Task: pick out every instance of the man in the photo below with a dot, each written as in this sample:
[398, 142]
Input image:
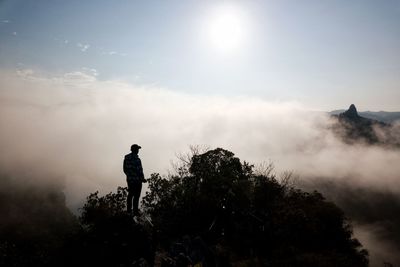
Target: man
[134, 177]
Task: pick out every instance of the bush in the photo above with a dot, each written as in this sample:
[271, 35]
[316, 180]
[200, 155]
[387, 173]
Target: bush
[109, 236]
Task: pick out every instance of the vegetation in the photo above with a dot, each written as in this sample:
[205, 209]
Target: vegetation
[34, 223]
[245, 218]
[215, 210]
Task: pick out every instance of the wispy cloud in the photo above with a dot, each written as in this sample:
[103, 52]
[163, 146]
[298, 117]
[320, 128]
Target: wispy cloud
[90, 71]
[62, 41]
[114, 53]
[83, 47]
[5, 21]
[80, 78]
[24, 72]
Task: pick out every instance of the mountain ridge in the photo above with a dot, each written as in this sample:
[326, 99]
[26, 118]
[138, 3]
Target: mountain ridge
[354, 128]
[382, 116]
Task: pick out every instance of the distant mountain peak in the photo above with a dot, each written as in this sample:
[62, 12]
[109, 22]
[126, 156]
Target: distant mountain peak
[351, 112]
[354, 127]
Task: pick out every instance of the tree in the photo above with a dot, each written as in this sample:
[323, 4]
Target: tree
[249, 218]
[215, 210]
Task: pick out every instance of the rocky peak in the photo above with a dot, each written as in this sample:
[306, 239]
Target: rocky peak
[351, 112]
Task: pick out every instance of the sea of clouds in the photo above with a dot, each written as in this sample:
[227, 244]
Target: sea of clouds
[73, 129]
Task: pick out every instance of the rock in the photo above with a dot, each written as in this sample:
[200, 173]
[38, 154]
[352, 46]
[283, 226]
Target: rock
[351, 113]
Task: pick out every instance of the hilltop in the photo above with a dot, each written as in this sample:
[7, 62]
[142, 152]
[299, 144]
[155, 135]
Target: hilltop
[351, 127]
[216, 211]
[382, 116]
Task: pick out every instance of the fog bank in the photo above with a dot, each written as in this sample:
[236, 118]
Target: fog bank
[73, 130]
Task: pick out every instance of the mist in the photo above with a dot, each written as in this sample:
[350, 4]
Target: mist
[72, 130]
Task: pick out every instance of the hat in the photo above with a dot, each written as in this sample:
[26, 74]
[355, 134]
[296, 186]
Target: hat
[135, 146]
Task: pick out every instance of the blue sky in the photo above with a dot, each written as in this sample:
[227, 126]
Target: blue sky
[325, 54]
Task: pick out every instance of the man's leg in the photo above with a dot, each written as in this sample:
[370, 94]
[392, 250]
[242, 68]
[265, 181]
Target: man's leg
[136, 196]
[129, 199]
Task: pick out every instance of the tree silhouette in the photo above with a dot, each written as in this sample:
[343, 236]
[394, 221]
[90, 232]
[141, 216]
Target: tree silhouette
[247, 218]
[215, 210]
[109, 236]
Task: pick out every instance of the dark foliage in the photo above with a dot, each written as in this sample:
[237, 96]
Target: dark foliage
[379, 210]
[34, 223]
[215, 211]
[37, 229]
[109, 236]
[247, 219]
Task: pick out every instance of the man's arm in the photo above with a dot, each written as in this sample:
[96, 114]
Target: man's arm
[125, 166]
[140, 169]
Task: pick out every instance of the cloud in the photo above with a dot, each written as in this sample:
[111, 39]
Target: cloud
[115, 53]
[374, 212]
[113, 114]
[24, 73]
[75, 129]
[380, 249]
[62, 40]
[90, 71]
[83, 47]
[5, 21]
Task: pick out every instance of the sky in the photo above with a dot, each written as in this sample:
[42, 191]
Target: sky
[322, 54]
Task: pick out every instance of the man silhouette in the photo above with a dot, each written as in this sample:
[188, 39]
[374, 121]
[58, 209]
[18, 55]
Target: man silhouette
[134, 177]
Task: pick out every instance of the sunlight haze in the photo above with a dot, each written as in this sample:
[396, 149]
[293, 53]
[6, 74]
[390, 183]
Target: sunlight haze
[226, 29]
[324, 54]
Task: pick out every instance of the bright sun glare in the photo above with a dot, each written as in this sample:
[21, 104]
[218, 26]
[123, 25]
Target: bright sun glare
[225, 29]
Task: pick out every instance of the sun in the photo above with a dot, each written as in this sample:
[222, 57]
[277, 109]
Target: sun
[226, 29]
